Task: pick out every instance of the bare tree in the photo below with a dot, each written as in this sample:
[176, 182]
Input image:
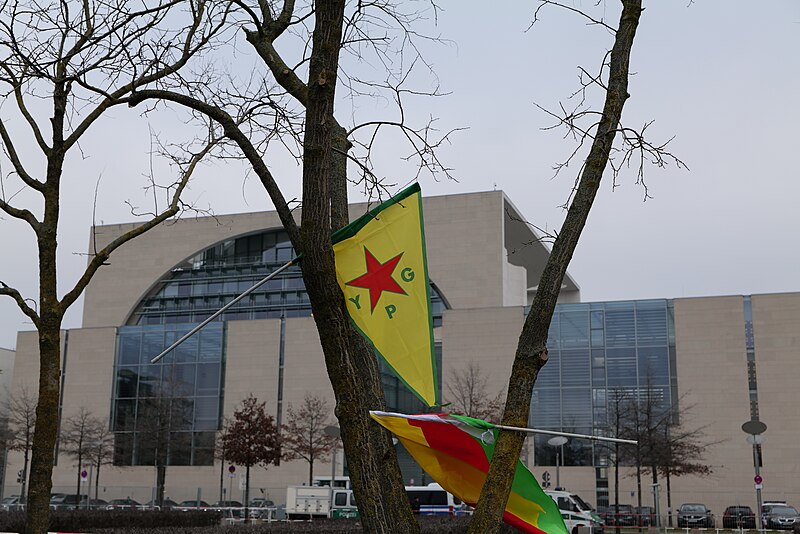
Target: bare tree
[83, 57]
[251, 438]
[162, 420]
[100, 452]
[670, 448]
[304, 437]
[297, 112]
[600, 133]
[22, 423]
[467, 392]
[78, 434]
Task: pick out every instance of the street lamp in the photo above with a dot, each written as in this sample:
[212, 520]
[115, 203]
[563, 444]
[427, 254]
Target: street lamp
[755, 428]
[558, 442]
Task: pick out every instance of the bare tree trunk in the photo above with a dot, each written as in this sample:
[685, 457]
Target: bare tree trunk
[669, 501]
[46, 430]
[80, 466]
[531, 352]
[350, 361]
[247, 494]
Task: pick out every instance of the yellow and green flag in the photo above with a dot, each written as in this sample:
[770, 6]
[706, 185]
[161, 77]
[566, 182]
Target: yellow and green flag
[382, 270]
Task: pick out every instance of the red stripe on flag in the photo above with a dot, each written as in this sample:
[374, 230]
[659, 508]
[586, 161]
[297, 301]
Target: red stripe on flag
[440, 436]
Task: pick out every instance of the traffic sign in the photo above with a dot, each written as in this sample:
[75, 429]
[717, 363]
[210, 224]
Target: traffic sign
[231, 471]
[84, 475]
[758, 479]
[546, 476]
[754, 427]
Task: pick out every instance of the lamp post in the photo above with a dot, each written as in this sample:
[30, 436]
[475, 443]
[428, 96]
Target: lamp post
[754, 428]
[558, 442]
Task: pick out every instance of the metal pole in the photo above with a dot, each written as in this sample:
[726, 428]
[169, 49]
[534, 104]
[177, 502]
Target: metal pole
[558, 468]
[566, 434]
[219, 311]
[333, 477]
[758, 488]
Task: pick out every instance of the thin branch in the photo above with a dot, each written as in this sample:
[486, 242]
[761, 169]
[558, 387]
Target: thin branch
[21, 302]
[100, 257]
[233, 132]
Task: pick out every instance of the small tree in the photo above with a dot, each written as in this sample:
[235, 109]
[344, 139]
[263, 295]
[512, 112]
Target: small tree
[22, 423]
[100, 452]
[158, 421]
[468, 393]
[78, 434]
[251, 438]
[304, 437]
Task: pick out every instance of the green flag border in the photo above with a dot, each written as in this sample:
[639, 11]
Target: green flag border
[351, 230]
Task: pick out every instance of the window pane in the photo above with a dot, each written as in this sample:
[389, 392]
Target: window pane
[129, 349]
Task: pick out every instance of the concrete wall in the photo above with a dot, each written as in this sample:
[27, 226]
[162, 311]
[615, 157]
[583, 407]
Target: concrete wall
[464, 235]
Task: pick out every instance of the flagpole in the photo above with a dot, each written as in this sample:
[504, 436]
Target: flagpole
[566, 434]
[219, 311]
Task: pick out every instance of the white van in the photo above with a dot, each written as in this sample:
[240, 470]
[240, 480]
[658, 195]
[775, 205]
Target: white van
[576, 512]
[432, 500]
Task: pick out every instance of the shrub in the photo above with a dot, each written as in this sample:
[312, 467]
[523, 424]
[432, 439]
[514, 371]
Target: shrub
[86, 520]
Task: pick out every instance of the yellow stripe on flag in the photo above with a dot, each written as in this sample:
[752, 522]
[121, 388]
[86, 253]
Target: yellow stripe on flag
[381, 268]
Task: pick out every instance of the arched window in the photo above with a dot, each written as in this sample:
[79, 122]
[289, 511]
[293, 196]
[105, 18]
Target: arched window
[201, 285]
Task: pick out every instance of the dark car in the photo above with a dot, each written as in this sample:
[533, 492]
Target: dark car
[694, 515]
[122, 504]
[624, 517]
[191, 504]
[782, 517]
[738, 517]
[97, 504]
[167, 504]
[61, 501]
[646, 515]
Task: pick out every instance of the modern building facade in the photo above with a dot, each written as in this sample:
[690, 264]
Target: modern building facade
[728, 358]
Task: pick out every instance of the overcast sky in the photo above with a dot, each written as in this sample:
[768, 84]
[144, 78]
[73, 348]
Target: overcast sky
[721, 76]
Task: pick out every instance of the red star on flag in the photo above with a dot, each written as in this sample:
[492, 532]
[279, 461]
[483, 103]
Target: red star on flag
[378, 278]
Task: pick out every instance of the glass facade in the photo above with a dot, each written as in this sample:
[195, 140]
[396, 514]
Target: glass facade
[173, 406]
[207, 281]
[184, 391]
[597, 352]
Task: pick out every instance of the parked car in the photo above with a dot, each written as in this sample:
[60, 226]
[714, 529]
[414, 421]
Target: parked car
[693, 515]
[782, 517]
[766, 506]
[738, 516]
[69, 501]
[227, 504]
[646, 515]
[625, 517]
[122, 504]
[97, 504]
[261, 502]
[192, 504]
[10, 503]
[167, 504]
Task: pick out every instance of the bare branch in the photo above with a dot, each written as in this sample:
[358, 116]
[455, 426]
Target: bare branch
[174, 207]
[22, 303]
[580, 12]
[233, 132]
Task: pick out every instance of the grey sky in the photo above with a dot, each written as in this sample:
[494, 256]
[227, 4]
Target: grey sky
[721, 76]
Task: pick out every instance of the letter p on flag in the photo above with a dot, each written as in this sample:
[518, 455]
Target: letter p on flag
[382, 269]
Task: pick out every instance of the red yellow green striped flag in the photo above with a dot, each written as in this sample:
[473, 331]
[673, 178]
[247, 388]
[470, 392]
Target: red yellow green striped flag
[382, 270]
[456, 450]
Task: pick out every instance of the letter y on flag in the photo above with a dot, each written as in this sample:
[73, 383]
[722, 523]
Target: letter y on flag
[382, 270]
